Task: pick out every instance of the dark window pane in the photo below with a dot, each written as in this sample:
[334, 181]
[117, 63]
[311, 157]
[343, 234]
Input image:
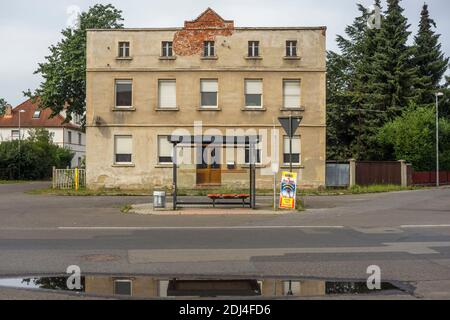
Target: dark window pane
[253, 100]
[122, 288]
[124, 94]
[165, 159]
[123, 158]
[295, 158]
[247, 156]
[209, 99]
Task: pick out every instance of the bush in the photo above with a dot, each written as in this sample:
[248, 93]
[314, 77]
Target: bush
[37, 156]
[412, 137]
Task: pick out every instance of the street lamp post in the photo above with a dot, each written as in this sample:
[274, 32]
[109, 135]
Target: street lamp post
[20, 140]
[437, 95]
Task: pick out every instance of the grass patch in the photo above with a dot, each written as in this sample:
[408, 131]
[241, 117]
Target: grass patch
[204, 192]
[126, 208]
[88, 193]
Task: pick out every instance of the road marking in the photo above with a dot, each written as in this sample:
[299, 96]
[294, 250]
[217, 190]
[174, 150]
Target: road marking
[209, 255]
[430, 226]
[199, 228]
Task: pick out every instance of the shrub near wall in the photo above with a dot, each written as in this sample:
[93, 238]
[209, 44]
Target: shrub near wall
[37, 156]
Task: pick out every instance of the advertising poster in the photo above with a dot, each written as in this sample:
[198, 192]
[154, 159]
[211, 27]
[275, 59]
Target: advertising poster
[288, 192]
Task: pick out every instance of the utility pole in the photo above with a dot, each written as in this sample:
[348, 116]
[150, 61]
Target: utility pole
[437, 94]
[20, 140]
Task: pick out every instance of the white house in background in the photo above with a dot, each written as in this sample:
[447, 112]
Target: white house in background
[69, 135]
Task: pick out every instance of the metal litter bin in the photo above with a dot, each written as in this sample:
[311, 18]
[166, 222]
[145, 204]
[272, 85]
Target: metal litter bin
[159, 200]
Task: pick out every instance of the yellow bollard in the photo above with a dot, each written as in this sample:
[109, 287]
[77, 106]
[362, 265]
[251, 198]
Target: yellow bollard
[76, 179]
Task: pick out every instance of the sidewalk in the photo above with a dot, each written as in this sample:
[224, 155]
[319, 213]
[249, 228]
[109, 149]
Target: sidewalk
[147, 209]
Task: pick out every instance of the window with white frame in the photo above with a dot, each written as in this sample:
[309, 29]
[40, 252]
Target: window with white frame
[253, 48]
[123, 149]
[291, 94]
[296, 151]
[80, 139]
[124, 49]
[69, 137]
[124, 94]
[291, 48]
[15, 134]
[37, 114]
[209, 49]
[123, 287]
[253, 93]
[167, 94]
[209, 92]
[165, 150]
[167, 49]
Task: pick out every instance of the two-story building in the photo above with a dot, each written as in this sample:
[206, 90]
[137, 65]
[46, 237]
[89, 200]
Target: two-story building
[209, 78]
[16, 124]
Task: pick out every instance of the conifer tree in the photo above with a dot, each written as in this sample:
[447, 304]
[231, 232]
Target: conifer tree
[428, 58]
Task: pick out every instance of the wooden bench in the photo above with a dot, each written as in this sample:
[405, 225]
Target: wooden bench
[216, 197]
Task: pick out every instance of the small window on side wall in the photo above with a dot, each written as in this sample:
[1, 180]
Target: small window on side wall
[123, 149]
[124, 49]
[124, 94]
[253, 49]
[209, 49]
[167, 49]
[291, 48]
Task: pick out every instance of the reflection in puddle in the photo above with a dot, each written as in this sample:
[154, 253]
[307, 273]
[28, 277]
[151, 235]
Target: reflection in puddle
[151, 287]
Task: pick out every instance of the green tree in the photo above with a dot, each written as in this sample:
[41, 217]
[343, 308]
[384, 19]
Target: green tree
[429, 58]
[3, 105]
[64, 71]
[392, 76]
[342, 104]
[412, 138]
[37, 156]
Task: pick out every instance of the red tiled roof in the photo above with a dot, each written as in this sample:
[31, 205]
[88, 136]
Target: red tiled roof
[27, 120]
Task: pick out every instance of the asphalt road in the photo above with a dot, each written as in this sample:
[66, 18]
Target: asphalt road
[407, 234]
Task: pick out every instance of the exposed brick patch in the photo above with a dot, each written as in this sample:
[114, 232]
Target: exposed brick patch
[206, 27]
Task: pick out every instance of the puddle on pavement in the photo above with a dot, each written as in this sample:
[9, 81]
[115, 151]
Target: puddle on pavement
[151, 287]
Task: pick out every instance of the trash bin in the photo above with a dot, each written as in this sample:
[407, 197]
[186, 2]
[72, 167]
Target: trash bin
[159, 200]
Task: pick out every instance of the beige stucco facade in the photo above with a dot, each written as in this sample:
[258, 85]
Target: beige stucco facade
[231, 67]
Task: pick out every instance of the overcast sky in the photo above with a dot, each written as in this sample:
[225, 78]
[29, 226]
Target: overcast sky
[28, 27]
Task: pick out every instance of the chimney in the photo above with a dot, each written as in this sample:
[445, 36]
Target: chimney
[8, 111]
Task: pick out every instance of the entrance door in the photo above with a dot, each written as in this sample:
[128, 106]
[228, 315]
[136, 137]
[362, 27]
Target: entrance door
[209, 172]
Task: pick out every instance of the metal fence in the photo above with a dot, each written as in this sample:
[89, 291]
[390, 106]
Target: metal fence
[69, 179]
[338, 174]
[378, 172]
[429, 178]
